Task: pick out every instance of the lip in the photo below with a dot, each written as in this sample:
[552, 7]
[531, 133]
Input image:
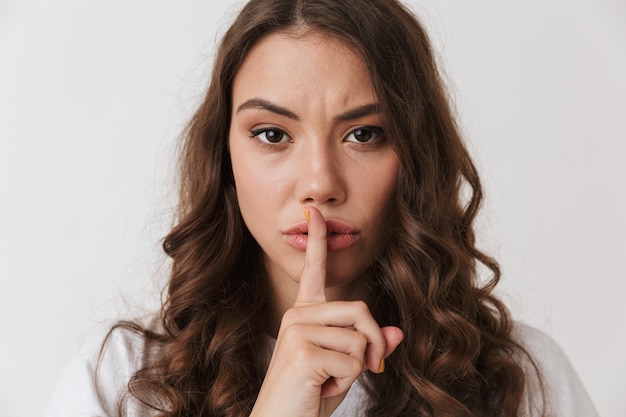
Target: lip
[339, 236]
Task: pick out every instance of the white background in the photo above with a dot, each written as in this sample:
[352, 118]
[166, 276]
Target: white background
[92, 98]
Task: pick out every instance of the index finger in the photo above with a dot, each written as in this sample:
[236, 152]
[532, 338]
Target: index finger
[313, 277]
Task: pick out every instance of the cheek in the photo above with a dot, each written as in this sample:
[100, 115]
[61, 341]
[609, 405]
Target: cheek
[382, 186]
[253, 186]
[381, 197]
[257, 188]
[244, 181]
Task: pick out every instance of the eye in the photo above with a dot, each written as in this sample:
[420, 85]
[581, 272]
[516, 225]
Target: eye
[365, 134]
[269, 135]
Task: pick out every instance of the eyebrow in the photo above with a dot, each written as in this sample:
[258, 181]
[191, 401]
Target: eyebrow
[261, 104]
[359, 112]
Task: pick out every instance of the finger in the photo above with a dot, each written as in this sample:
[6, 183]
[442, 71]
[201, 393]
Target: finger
[393, 336]
[338, 339]
[337, 371]
[356, 315]
[313, 277]
[353, 315]
[327, 356]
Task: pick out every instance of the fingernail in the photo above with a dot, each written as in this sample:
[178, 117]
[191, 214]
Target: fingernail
[307, 214]
[381, 368]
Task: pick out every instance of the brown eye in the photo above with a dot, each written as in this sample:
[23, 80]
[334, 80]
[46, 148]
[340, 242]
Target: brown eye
[269, 135]
[362, 135]
[274, 136]
[365, 135]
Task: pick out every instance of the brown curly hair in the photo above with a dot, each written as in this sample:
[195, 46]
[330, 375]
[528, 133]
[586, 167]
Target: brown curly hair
[458, 357]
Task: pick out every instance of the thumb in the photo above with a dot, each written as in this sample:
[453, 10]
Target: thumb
[393, 337]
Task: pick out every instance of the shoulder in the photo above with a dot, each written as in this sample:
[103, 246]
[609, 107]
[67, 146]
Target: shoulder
[120, 354]
[541, 346]
[564, 392]
[97, 374]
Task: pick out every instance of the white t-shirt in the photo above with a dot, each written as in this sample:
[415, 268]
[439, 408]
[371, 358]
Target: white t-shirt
[80, 394]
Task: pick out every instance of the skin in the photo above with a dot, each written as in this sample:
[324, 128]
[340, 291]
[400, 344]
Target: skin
[305, 132]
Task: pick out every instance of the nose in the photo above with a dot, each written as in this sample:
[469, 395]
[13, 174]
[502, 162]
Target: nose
[320, 175]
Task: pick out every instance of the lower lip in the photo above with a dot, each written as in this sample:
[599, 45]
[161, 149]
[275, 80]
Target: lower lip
[333, 242]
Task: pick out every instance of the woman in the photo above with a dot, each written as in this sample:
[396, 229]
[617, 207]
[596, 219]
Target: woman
[324, 260]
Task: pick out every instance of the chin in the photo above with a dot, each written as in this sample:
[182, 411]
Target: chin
[339, 275]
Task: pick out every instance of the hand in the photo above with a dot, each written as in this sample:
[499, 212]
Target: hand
[322, 347]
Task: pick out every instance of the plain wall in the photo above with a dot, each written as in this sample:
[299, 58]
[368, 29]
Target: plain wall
[94, 94]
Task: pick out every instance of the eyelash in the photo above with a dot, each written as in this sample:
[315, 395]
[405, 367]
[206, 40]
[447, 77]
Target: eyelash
[257, 133]
[377, 132]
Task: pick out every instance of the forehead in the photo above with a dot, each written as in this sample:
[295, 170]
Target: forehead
[306, 41]
[304, 64]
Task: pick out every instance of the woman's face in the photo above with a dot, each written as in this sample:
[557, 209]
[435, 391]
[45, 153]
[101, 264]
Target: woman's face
[306, 130]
